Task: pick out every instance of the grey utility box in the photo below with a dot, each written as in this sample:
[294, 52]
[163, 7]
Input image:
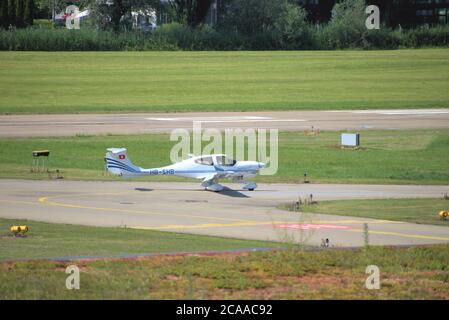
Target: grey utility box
[350, 139]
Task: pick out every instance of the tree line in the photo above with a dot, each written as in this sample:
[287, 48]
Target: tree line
[243, 25]
[16, 13]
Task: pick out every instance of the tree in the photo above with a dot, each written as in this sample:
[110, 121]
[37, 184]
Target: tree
[4, 19]
[348, 23]
[11, 12]
[19, 13]
[283, 21]
[191, 12]
[293, 28]
[119, 8]
[250, 17]
[28, 15]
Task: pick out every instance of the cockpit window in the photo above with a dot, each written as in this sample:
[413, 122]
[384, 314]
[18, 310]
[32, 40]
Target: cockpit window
[205, 161]
[225, 161]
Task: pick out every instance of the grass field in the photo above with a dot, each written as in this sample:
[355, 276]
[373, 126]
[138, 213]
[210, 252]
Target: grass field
[70, 82]
[413, 273]
[386, 157]
[45, 240]
[408, 210]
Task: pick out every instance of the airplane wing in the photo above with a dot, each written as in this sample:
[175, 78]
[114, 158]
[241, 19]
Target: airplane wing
[223, 173]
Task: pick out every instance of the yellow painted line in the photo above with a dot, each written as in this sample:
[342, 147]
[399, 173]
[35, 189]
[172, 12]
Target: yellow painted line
[237, 224]
[46, 201]
[317, 221]
[404, 235]
[243, 224]
[42, 199]
[211, 225]
[18, 202]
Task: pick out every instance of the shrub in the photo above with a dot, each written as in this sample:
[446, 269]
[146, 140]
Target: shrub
[288, 34]
[426, 37]
[43, 23]
[381, 39]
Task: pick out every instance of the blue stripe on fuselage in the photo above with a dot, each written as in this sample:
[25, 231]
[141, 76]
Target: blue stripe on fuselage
[115, 162]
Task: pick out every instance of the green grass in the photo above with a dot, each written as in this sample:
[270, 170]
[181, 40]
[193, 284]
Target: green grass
[423, 211]
[386, 157]
[412, 273]
[45, 240]
[71, 82]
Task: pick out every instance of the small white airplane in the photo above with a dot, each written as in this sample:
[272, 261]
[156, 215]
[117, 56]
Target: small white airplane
[209, 168]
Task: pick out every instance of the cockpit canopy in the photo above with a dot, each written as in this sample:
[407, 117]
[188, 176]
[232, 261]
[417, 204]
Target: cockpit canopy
[225, 161]
[207, 160]
[220, 161]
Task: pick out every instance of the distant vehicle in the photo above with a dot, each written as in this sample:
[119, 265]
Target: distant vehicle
[60, 18]
[209, 168]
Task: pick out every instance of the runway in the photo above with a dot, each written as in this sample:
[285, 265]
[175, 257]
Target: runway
[141, 123]
[185, 207]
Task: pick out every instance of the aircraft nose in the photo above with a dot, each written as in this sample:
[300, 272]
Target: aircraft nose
[261, 165]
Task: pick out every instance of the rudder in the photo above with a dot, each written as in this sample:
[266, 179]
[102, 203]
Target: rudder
[119, 164]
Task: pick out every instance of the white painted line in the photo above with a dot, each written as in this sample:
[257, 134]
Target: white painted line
[225, 119]
[209, 118]
[409, 113]
[397, 112]
[271, 120]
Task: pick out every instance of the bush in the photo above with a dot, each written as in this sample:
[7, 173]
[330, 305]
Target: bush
[426, 37]
[187, 38]
[285, 36]
[41, 39]
[43, 23]
[267, 24]
[384, 38]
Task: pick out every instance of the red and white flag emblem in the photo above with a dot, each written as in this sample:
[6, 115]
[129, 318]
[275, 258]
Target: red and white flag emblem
[121, 156]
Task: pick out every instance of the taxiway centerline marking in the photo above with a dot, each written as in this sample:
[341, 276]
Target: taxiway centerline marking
[256, 223]
[18, 202]
[249, 224]
[45, 200]
[397, 234]
[207, 225]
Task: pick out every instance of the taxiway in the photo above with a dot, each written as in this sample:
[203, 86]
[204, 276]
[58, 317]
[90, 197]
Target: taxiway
[185, 207]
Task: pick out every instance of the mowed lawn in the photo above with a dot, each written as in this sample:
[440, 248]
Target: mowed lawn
[70, 82]
[425, 211]
[391, 157]
[46, 240]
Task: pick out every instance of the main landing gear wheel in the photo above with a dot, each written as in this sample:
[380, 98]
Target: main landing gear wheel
[250, 186]
[216, 187]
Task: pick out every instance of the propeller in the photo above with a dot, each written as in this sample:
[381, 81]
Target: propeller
[260, 158]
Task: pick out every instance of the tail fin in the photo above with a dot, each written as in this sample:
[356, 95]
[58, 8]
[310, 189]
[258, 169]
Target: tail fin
[119, 164]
